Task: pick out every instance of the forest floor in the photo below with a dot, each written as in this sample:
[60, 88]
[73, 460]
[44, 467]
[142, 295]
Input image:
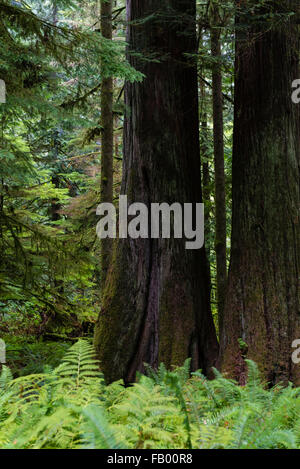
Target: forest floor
[52, 395]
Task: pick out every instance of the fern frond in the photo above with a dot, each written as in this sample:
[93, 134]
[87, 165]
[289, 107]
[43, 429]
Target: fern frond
[97, 432]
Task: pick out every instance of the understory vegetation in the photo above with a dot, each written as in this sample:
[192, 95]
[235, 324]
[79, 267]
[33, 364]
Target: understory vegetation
[70, 406]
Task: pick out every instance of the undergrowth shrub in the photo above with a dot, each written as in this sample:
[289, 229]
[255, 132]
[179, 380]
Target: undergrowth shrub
[27, 355]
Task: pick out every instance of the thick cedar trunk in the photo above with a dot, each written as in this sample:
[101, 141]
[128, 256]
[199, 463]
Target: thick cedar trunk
[107, 142]
[220, 196]
[262, 306]
[156, 301]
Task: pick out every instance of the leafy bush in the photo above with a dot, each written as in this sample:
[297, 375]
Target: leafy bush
[71, 407]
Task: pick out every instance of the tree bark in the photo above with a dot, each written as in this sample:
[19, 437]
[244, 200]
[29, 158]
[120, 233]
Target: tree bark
[262, 307]
[220, 194]
[156, 303]
[204, 158]
[107, 142]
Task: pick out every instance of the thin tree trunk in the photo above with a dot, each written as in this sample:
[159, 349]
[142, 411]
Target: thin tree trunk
[55, 205]
[220, 195]
[156, 302]
[204, 158]
[262, 307]
[107, 142]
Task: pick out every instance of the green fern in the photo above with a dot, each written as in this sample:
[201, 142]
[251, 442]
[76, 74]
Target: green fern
[5, 378]
[97, 431]
[79, 363]
[70, 407]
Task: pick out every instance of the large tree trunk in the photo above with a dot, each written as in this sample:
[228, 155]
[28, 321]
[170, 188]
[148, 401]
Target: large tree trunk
[262, 307]
[220, 194]
[156, 302]
[107, 142]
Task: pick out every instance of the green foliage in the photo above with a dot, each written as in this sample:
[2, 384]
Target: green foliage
[50, 59]
[70, 407]
[79, 363]
[27, 355]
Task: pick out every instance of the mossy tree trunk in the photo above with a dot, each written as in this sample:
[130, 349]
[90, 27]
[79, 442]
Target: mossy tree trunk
[262, 307]
[107, 140]
[156, 302]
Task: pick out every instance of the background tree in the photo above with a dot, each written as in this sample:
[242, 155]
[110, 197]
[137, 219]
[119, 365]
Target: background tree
[107, 133]
[220, 194]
